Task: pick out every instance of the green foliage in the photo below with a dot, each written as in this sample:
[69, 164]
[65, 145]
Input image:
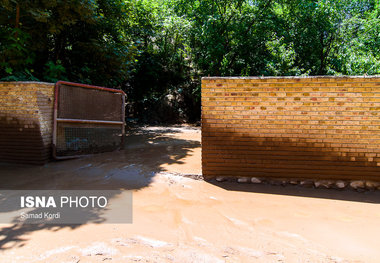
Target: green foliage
[359, 49]
[331, 37]
[54, 72]
[159, 49]
[83, 36]
[15, 60]
[283, 58]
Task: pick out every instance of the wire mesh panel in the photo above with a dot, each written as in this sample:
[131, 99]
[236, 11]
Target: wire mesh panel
[88, 119]
[89, 104]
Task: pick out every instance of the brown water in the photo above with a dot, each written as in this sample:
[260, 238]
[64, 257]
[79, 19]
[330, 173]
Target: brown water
[178, 219]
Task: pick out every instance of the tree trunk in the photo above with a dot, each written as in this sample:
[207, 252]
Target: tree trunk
[17, 25]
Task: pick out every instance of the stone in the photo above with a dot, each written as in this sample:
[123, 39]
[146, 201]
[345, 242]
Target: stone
[255, 180]
[340, 184]
[357, 184]
[284, 182]
[243, 180]
[323, 184]
[275, 182]
[372, 185]
[220, 178]
[307, 183]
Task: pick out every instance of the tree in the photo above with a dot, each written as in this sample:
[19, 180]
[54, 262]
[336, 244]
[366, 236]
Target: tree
[160, 49]
[53, 36]
[319, 32]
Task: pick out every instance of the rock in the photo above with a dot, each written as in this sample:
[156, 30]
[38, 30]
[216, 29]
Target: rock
[275, 182]
[357, 184]
[284, 182]
[340, 184]
[243, 180]
[255, 180]
[307, 183]
[323, 184]
[372, 185]
[221, 178]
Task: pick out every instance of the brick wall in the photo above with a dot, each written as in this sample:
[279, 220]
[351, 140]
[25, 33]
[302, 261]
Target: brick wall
[26, 121]
[293, 127]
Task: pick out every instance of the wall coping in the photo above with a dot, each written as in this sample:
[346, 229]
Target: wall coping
[26, 82]
[296, 77]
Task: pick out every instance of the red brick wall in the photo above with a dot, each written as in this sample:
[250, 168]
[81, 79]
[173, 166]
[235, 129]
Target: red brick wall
[297, 127]
[26, 121]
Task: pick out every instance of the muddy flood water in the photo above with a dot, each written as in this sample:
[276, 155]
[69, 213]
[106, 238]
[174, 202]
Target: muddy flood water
[178, 217]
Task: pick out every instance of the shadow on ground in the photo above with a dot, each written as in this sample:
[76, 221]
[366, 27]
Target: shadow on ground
[133, 168]
[295, 190]
[145, 153]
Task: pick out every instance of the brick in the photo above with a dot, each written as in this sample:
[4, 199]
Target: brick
[26, 120]
[299, 122]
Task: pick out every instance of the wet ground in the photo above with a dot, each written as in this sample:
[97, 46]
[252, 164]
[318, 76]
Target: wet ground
[180, 219]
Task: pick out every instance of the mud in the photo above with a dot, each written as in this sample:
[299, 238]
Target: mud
[180, 219]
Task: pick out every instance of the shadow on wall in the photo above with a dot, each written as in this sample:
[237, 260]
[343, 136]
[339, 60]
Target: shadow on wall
[235, 154]
[130, 169]
[21, 141]
[229, 153]
[25, 131]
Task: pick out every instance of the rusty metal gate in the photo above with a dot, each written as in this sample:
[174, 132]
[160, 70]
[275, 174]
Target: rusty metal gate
[87, 119]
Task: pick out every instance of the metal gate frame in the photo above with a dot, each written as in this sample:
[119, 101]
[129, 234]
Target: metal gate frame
[56, 119]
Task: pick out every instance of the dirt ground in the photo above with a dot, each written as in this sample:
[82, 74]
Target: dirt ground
[180, 219]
